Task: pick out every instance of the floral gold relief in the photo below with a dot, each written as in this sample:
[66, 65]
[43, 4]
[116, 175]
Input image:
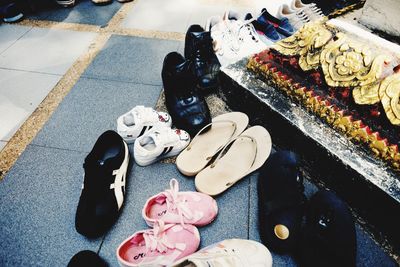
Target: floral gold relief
[389, 93]
[306, 43]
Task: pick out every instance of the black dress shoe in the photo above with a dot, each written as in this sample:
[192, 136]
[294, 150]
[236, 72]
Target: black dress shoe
[188, 109]
[103, 188]
[281, 202]
[329, 233]
[204, 63]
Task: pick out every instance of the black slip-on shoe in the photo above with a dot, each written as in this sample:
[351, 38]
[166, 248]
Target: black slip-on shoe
[86, 258]
[329, 237]
[103, 188]
[204, 63]
[281, 202]
[187, 107]
[10, 11]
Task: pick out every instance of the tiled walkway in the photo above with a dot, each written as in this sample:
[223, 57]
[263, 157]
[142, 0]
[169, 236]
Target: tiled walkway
[39, 195]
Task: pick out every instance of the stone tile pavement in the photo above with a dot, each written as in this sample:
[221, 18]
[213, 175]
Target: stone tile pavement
[39, 195]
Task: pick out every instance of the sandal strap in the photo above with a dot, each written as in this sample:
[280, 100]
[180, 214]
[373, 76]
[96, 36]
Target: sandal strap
[221, 153]
[206, 127]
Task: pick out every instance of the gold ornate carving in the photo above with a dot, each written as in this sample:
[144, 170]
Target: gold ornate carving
[367, 94]
[389, 92]
[347, 63]
[306, 43]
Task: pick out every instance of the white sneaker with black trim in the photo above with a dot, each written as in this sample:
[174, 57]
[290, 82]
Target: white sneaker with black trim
[159, 143]
[233, 38]
[139, 120]
[230, 252]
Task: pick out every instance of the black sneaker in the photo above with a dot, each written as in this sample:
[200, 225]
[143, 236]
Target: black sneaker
[86, 258]
[10, 11]
[281, 202]
[329, 233]
[103, 188]
[188, 108]
[204, 63]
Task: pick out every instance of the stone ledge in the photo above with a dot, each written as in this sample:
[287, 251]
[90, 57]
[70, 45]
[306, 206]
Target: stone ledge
[370, 188]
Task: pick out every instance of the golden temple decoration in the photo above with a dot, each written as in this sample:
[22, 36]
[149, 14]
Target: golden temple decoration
[389, 93]
[366, 95]
[347, 63]
[306, 43]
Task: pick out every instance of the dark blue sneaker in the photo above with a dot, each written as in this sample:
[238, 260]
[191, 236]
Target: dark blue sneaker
[266, 29]
[281, 25]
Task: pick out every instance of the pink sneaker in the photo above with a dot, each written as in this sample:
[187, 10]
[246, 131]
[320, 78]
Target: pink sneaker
[172, 206]
[160, 246]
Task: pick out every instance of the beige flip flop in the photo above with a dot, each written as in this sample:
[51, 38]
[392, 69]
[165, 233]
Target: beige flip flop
[247, 153]
[206, 144]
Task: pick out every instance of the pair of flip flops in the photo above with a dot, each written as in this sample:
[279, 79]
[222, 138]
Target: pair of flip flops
[327, 237]
[232, 151]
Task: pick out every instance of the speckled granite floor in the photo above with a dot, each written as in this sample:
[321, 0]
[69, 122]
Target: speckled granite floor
[115, 70]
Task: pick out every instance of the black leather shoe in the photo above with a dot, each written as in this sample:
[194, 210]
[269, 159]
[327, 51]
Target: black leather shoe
[329, 235]
[204, 63]
[281, 202]
[188, 109]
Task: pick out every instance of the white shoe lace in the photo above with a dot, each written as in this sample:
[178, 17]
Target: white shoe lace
[155, 239]
[176, 202]
[314, 12]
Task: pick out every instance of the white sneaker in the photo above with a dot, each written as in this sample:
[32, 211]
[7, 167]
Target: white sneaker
[139, 120]
[312, 11]
[159, 143]
[230, 252]
[296, 18]
[234, 38]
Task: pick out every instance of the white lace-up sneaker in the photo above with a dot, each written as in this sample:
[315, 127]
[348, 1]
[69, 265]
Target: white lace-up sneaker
[230, 252]
[139, 120]
[234, 38]
[312, 11]
[159, 143]
[296, 18]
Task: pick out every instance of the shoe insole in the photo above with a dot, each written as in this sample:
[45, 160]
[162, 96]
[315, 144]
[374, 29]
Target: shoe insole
[157, 211]
[243, 157]
[129, 120]
[133, 253]
[111, 152]
[228, 169]
[203, 147]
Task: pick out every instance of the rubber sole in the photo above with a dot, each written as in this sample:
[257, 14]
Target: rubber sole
[14, 19]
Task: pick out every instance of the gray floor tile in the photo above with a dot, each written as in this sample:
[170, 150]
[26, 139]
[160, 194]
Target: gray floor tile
[9, 34]
[38, 200]
[131, 59]
[20, 94]
[84, 12]
[91, 108]
[2, 144]
[61, 47]
[160, 15]
[147, 181]
[368, 252]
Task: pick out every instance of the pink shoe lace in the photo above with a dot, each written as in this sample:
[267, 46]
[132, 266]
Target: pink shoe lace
[155, 238]
[174, 202]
